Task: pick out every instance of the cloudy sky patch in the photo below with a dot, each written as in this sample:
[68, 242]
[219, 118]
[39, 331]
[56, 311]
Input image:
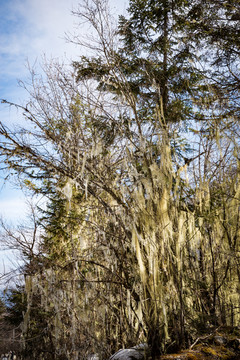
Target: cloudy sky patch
[28, 30]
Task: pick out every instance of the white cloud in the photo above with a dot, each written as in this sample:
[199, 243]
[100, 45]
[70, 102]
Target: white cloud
[45, 23]
[43, 26]
[31, 28]
[35, 27]
[13, 208]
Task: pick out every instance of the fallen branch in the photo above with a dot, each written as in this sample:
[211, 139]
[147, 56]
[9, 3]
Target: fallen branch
[202, 338]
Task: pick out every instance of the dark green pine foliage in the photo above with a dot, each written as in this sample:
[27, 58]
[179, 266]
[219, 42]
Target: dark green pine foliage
[214, 26]
[222, 31]
[155, 62]
[16, 304]
[158, 58]
[59, 223]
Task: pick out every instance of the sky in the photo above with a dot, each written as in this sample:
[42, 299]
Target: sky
[29, 30]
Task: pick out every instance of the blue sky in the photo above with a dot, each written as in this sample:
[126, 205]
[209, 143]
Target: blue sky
[30, 29]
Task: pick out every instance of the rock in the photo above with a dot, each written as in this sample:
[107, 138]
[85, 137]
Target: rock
[93, 357]
[229, 343]
[140, 347]
[128, 354]
[134, 353]
[219, 340]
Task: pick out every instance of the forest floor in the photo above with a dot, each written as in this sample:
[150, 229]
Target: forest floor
[217, 347]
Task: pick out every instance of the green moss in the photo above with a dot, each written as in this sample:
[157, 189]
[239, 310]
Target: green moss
[209, 351]
[217, 352]
[226, 353]
[195, 356]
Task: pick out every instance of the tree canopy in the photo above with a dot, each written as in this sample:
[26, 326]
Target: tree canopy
[136, 147]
